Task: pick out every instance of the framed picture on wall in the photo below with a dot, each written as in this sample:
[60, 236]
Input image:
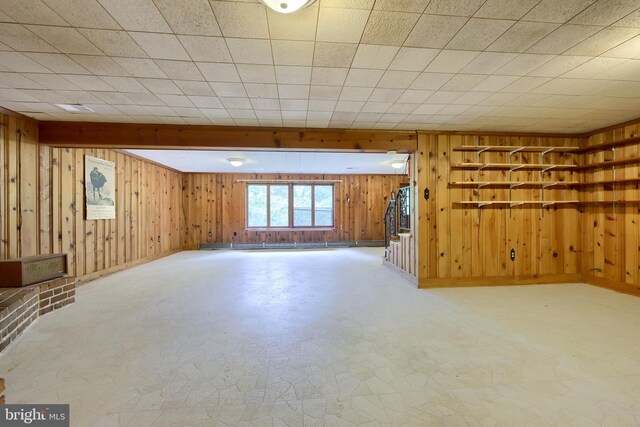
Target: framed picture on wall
[100, 186]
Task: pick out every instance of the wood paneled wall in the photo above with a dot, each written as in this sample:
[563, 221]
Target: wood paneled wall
[214, 209]
[611, 234]
[463, 245]
[42, 199]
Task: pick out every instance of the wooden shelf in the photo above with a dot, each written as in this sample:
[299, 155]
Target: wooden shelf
[624, 181]
[610, 163]
[481, 203]
[514, 184]
[515, 148]
[608, 202]
[608, 145]
[513, 166]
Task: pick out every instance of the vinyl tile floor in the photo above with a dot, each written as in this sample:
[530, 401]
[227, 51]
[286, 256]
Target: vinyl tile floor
[327, 338]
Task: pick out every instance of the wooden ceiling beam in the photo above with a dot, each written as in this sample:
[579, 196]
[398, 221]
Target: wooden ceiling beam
[153, 136]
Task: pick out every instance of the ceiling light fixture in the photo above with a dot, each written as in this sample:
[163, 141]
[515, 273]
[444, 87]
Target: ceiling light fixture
[236, 161]
[74, 108]
[286, 6]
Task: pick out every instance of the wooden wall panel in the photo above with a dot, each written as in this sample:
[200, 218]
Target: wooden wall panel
[42, 201]
[611, 234]
[463, 245]
[213, 209]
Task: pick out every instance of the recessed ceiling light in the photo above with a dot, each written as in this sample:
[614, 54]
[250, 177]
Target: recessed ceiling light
[286, 6]
[74, 108]
[236, 161]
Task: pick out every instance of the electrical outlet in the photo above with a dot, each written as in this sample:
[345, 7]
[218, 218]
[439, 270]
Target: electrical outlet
[513, 254]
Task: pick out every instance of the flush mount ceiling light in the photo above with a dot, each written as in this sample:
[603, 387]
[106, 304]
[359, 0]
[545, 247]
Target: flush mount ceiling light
[286, 6]
[74, 108]
[236, 161]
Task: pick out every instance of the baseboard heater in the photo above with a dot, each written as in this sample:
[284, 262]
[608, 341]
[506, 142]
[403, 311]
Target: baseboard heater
[292, 245]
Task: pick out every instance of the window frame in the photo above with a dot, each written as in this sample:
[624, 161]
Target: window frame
[291, 225]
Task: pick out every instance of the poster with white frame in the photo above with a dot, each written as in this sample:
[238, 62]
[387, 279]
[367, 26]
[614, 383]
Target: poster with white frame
[100, 188]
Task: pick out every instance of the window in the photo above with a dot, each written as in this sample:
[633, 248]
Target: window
[289, 205]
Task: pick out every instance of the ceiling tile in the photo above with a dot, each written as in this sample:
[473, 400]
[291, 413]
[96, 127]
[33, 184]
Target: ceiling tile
[218, 72]
[303, 27]
[471, 98]
[66, 40]
[321, 105]
[238, 19]
[353, 4]
[161, 46]
[330, 93]
[99, 65]
[478, 34]
[57, 63]
[83, 13]
[627, 70]
[31, 12]
[631, 20]
[494, 83]
[88, 82]
[341, 25]
[194, 88]
[226, 89]
[18, 81]
[374, 57]
[140, 67]
[431, 81]
[434, 31]
[593, 67]
[206, 49]
[136, 15]
[292, 52]
[180, 70]
[363, 77]
[463, 82]
[265, 104]
[388, 28]
[17, 62]
[294, 105]
[248, 51]
[261, 90]
[458, 8]
[525, 84]
[505, 9]
[522, 36]
[161, 86]
[558, 66]
[413, 59]
[451, 61]
[192, 17]
[563, 38]
[605, 12]
[524, 64]
[414, 6]
[124, 84]
[355, 93]
[144, 98]
[206, 101]
[112, 98]
[268, 114]
[293, 75]
[413, 96]
[629, 49]
[114, 43]
[348, 107]
[328, 76]
[399, 107]
[19, 38]
[397, 79]
[78, 97]
[443, 97]
[52, 81]
[256, 73]
[556, 11]
[385, 95]
[236, 103]
[488, 62]
[601, 42]
[290, 91]
[333, 54]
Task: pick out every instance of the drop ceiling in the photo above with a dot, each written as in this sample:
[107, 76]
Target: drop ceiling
[564, 66]
[286, 162]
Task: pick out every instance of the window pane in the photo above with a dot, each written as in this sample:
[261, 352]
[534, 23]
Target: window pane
[257, 209]
[324, 205]
[301, 205]
[279, 205]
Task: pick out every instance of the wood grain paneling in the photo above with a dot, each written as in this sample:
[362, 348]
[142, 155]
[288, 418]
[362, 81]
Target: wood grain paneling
[611, 231]
[467, 246]
[42, 199]
[214, 209]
